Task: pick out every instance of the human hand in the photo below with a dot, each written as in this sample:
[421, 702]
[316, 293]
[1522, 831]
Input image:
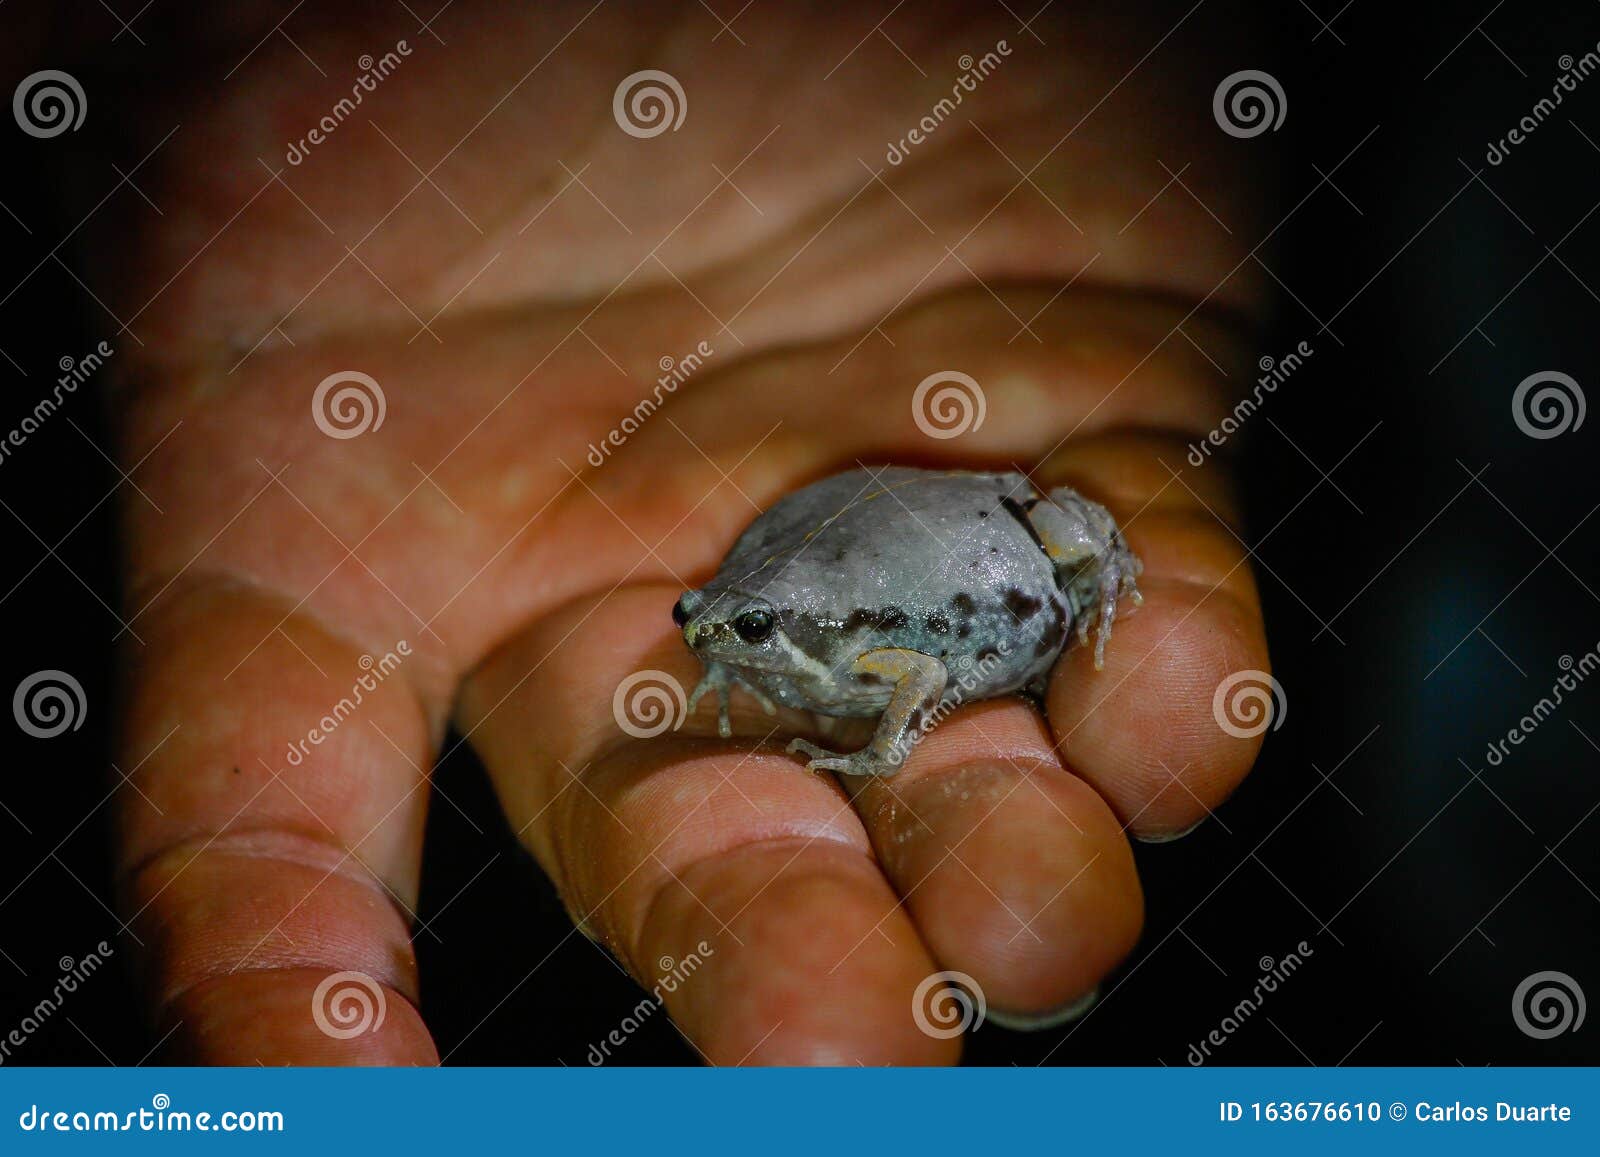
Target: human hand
[511, 267]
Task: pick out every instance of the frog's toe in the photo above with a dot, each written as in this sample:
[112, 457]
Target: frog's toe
[819, 758]
[759, 696]
[707, 682]
[715, 679]
[858, 763]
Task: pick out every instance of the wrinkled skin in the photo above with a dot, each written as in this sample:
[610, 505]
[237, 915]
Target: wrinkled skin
[528, 583]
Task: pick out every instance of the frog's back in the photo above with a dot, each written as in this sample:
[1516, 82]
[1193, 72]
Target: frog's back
[866, 507]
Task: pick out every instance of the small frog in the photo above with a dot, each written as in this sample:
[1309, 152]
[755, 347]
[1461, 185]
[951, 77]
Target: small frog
[899, 593]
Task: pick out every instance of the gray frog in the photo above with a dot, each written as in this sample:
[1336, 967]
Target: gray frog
[900, 593]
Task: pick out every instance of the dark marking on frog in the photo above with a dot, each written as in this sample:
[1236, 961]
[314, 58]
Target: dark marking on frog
[938, 624]
[963, 603]
[1050, 639]
[883, 618]
[1022, 606]
[1020, 512]
[963, 630]
[987, 653]
[860, 619]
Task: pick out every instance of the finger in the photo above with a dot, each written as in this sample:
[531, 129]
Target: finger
[1143, 730]
[256, 862]
[1014, 870]
[673, 849]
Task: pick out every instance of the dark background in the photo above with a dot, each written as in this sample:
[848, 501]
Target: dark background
[1418, 601]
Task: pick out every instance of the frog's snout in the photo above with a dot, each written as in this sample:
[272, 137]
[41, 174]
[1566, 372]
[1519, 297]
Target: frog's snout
[689, 604]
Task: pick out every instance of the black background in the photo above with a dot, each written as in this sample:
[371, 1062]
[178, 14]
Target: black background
[1426, 882]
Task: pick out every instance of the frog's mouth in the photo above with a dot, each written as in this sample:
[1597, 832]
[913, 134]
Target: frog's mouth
[718, 642]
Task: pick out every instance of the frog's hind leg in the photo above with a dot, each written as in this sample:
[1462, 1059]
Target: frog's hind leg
[1094, 567]
[919, 682]
[720, 677]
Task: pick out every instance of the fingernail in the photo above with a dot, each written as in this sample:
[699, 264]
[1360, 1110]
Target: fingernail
[1038, 1021]
[1168, 837]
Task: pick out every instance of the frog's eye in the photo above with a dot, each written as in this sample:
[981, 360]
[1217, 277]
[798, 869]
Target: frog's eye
[680, 613]
[753, 626]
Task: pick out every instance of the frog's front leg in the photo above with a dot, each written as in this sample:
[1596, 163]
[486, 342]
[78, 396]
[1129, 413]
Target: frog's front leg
[720, 677]
[1094, 566]
[918, 685]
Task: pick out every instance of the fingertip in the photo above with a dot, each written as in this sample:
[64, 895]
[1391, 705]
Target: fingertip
[1144, 730]
[300, 1016]
[1017, 874]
